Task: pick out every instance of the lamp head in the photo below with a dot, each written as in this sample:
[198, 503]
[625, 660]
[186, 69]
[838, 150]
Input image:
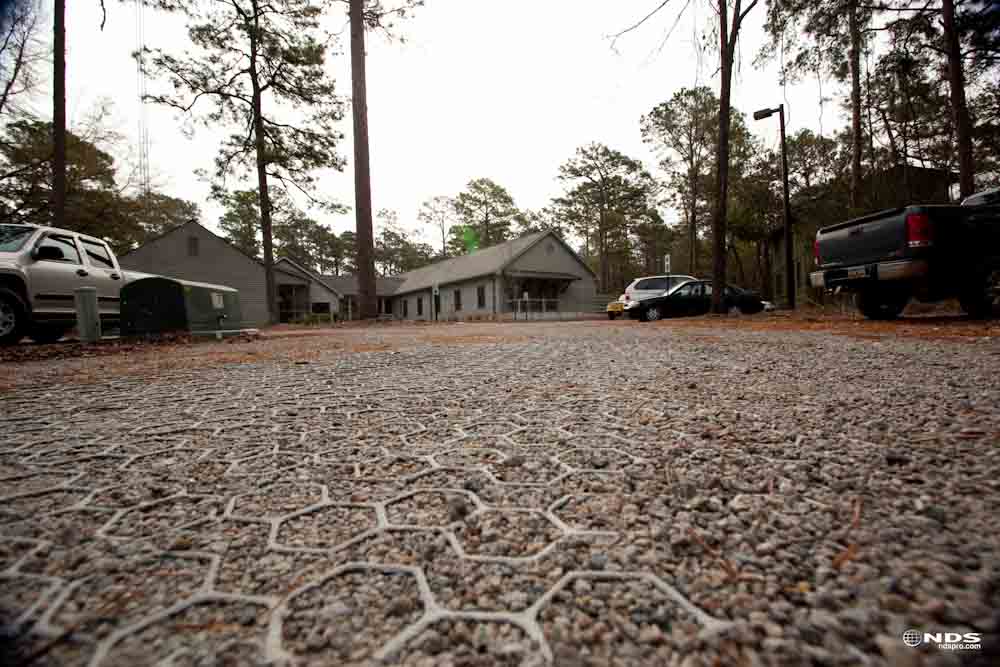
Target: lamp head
[763, 113]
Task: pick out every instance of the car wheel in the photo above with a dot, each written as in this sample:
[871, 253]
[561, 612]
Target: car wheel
[734, 310]
[13, 317]
[876, 304]
[980, 302]
[653, 313]
[47, 334]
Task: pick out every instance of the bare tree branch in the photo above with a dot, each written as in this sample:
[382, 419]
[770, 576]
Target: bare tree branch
[639, 22]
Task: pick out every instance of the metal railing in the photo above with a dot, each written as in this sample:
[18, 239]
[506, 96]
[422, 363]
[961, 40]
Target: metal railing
[543, 309]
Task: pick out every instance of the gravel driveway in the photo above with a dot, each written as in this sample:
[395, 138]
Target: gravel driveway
[522, 494]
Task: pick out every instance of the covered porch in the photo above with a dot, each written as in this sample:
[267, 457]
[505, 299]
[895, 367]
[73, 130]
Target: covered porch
[537, 294]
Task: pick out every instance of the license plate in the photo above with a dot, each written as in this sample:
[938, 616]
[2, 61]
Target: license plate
[615, 307]
[857, 272]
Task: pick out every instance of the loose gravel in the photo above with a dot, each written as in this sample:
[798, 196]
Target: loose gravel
[523, 494]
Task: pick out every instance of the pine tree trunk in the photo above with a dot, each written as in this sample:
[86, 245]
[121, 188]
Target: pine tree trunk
[58, 196]
[959, 108]
[855, 63]
[603, 251]
[722, 161]
[739, 265]
[367, 305]
[264, 197]
[693, 231]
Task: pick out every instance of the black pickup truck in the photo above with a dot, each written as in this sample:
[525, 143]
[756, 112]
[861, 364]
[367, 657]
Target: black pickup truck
[927, 252]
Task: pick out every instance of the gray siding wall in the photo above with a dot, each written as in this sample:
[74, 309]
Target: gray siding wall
[539, 258]
[217, 262]
[580, 294]
[469, 301]
[317, 293]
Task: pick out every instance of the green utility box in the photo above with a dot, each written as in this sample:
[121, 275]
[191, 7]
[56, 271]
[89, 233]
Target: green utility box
[158, 305]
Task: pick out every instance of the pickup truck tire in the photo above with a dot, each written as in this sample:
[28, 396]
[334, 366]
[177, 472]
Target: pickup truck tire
[881, 304]
[48, 333]
[612, 316]
[13, 317]
[979, 301]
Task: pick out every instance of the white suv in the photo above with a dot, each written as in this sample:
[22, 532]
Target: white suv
[40, 267]
[649, 286]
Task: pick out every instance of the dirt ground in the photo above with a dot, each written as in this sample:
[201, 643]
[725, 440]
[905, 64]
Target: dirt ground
[29, 364]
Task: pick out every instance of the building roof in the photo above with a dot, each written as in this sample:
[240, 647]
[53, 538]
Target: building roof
[485, 262]
[347, 285]
[294, 268]
[310, 275]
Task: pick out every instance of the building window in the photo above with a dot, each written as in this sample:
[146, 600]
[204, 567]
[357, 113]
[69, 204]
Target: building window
[406, 309]
[192, 246]
[420, 306]
[481, 296]
[458, 299]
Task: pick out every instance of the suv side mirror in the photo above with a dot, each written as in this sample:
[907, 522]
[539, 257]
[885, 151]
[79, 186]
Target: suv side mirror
[49, 253]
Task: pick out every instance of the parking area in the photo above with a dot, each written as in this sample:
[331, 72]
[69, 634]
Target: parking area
[747, 491]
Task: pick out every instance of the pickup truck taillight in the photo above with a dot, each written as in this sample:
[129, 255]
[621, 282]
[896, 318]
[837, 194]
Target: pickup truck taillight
[918, 231]
[816, 257]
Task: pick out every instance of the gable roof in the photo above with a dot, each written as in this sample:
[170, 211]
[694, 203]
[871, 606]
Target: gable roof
[485, 262]
[205, 229]
[348, 284]
[306, 273]
[234, 247]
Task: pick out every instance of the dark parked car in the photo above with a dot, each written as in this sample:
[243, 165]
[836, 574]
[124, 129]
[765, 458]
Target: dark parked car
[925, 252]
[693, 298]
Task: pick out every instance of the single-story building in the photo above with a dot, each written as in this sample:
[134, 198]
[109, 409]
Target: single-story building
[536, 275]
[192, 252]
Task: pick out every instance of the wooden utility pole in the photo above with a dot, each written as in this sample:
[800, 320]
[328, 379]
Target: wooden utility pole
[790, 273]
[367, 305]
[58, 195]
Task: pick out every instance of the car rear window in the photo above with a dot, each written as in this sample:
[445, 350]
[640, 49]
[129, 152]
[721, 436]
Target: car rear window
[98, 254]
[652, 283]
[12, 237]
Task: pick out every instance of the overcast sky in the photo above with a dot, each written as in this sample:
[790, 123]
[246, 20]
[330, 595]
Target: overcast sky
[481, 88]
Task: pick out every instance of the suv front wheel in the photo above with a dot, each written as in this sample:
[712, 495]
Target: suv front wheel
[13, 317]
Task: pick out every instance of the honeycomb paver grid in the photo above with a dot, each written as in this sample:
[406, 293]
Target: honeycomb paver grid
[495, 504]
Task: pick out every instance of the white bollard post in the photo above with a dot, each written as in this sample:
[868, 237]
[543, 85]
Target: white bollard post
[88, 317]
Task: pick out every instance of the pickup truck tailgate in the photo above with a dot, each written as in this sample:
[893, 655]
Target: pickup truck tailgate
[875, 237]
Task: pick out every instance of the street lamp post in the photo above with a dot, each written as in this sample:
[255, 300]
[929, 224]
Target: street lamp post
[789, 256]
